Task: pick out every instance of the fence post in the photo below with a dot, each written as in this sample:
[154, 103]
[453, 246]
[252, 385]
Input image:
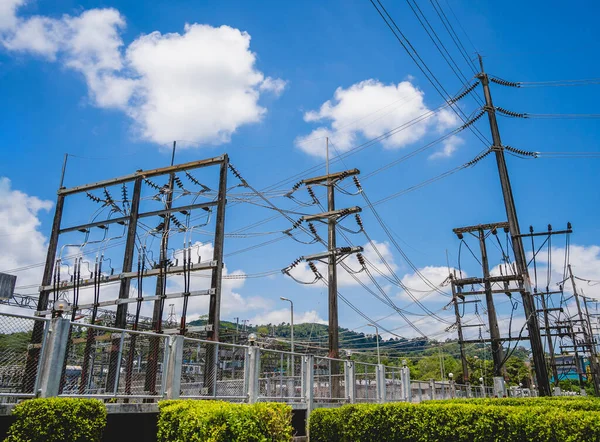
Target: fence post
[380, 381]
[431, 389]
[253, 374]
[309, 383]
[350, 383]
[174, 366]
[406, 387]
[54, 357]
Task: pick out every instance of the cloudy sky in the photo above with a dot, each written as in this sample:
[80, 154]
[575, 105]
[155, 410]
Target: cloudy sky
[114, 83]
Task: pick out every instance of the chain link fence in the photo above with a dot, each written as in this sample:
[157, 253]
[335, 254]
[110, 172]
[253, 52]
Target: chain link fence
[213, 370]
[20, 355]
[365, 379]
[280, 376]
[107, 362]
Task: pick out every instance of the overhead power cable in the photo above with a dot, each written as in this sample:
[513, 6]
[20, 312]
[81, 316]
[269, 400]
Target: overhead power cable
[423, 67]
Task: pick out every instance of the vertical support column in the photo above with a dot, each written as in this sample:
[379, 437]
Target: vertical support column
[33, 353]
[380, 380]
[497, 350]
[350, 382]
[309, 382]
[214, 310]
[54, 356]
[533, 328]
[125, 284]
[431, 389]
[253, 374]
[406, 386]
[174, 367]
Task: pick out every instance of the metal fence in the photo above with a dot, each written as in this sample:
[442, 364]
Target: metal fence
[57, 357]
[19, 357]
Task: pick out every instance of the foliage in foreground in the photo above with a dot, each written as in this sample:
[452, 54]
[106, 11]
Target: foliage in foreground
[216, 421]
[575, 403]
[58, 420]
[453, 422]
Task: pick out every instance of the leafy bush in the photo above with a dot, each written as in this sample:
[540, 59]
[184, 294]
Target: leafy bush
[452, 422]
[215, 421]
[58, 420]
[576, 403]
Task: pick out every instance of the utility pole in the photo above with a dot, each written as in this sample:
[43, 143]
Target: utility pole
[549, 338]
[463, 356]
[535, 339]
[497, 350]
[333, 256]
[333, 253]
[588, 338]
[161, 287]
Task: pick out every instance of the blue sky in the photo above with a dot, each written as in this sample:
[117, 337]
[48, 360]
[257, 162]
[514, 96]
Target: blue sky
[112, 83]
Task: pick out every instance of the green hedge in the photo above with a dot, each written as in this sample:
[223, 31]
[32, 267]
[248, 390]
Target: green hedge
[567, 403]
[452, 422]
[58, 420]
[215, 421]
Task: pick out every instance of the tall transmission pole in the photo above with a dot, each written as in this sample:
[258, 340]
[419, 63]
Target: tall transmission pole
[537, 349]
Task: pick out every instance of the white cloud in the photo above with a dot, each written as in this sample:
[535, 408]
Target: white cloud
[21, 241]
[370, 109]
[199, 86]
[8, 9]
[422, 290]
[283, 315]
[449, 146]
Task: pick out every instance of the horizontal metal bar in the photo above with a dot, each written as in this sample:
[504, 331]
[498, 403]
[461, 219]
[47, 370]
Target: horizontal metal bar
[547, 293]
[178, 209]
[483, 292]
[116, 396]
[472, 325]
[560, 309]
[551, 232]
[475, 341]
[191, 396]
[340, 212]
[500, 225]
[505, 278]
[33, 318]
[132, 300]
[143, 174]
[17, 395]
[338, 251]
[122, 219]
[125, 219]
[331, 177]
[115, 278]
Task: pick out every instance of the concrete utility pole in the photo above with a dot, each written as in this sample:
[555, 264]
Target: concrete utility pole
[461, 338]
[497, 350]
[535, 339]
[333, 253]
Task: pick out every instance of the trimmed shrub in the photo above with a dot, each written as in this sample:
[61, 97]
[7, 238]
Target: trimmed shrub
[452, 422]
[567, 403]
[58, 420]
[216, 421]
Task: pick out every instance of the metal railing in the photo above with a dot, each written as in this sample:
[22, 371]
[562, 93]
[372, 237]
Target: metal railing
[56, 357]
